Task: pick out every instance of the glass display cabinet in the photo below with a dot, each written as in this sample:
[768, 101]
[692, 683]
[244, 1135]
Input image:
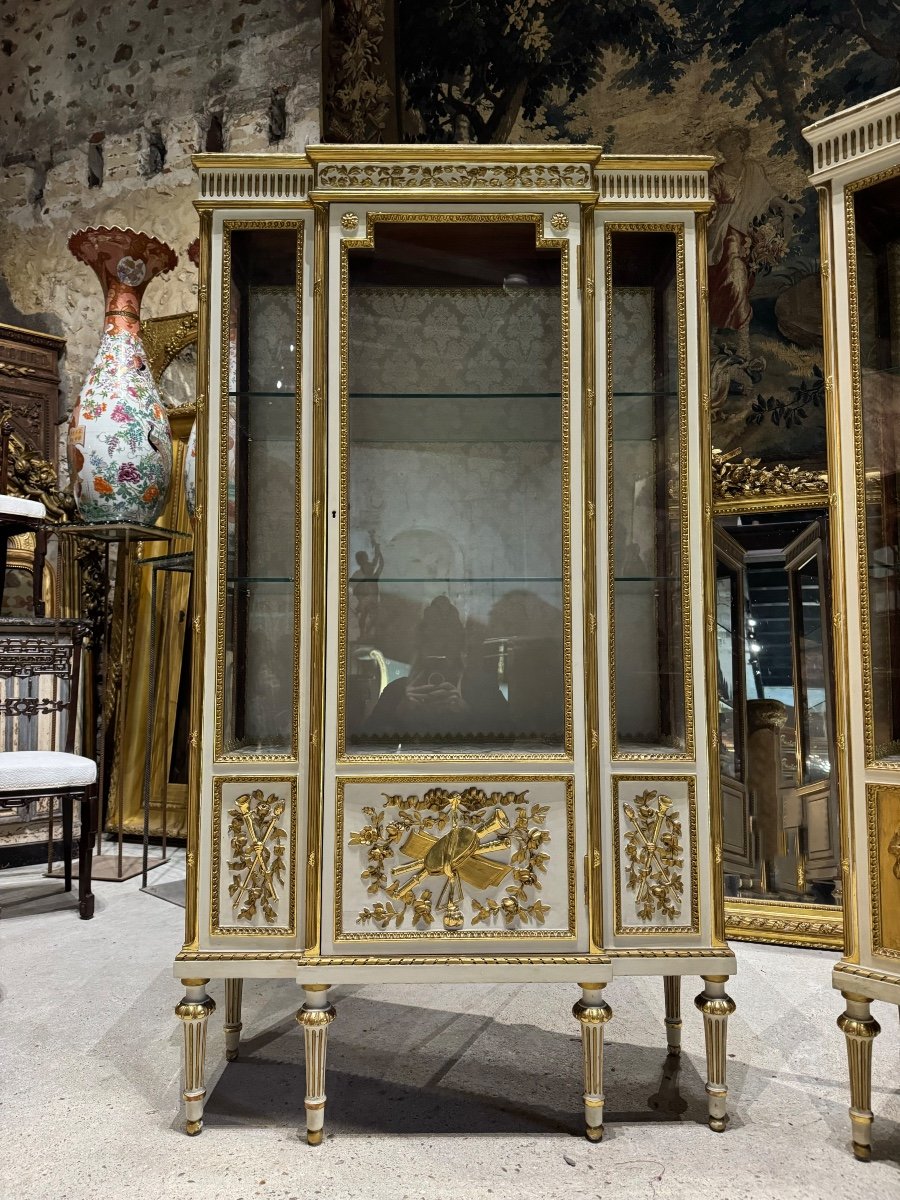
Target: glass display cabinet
[856, 161]
[451, 578]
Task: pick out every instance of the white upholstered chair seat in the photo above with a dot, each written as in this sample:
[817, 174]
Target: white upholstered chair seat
[31, 770]
[15, 506]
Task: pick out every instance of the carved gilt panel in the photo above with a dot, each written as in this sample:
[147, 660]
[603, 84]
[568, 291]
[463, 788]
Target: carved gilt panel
[253, 857]
[655, 840]
[460, 858]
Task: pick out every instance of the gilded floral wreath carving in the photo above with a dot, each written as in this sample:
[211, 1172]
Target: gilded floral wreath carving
[450, 838]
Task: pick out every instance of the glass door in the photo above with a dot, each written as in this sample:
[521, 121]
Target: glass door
[259, 519]
[646, 457]
[454, 623]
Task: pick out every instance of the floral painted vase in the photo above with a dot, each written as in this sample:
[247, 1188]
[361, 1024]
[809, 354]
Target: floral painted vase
[190, 453]
[119, 443]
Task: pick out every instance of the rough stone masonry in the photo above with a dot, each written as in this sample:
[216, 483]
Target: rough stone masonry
[101, 107]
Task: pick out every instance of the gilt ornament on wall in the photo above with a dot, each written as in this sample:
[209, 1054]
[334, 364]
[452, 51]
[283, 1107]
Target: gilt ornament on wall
[427, 855]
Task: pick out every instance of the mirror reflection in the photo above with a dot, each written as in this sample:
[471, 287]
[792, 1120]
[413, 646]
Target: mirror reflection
[779, 794]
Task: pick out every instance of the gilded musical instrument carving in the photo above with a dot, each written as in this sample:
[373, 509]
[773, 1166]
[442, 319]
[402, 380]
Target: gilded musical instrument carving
[655, 857]
[450, 837]
[257, 855]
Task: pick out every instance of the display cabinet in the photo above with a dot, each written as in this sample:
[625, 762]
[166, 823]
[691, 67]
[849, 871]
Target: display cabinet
[452, 712]
[856, 161]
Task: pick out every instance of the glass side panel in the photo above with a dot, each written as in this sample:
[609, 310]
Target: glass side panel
[453, 565]
[877, 212]
[259, 669]
[812, 681]
[729, 669]
[645, 533]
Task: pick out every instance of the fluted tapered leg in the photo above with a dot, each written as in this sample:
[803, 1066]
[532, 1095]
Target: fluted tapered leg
[194, 1011]
[860, 1029]
[672, 989]
[592, 1012]
[315, 1016]
[234, 990]
[716, 1008]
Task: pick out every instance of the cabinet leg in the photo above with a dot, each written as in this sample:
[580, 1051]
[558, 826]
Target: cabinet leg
[716, 1008]
[315, 1016]
[860, 1029]
[672, 989]
[592, 1012]
[194, 1011]
[234, 990]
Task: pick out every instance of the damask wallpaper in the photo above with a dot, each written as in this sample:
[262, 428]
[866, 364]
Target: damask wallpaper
[735, 78]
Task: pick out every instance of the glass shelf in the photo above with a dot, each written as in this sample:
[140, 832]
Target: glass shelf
[279, 395]
[662, 395]
[456, 396]
[646, 579]
[246, 580]
[457, 579]
[628, 746]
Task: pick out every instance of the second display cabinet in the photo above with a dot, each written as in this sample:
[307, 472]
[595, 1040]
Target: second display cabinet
[457, 721]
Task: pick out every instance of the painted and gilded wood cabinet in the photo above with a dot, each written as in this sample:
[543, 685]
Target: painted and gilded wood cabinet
[452, 707]
[856, 168]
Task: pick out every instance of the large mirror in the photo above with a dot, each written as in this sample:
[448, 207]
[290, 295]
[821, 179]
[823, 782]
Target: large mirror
[781, 844]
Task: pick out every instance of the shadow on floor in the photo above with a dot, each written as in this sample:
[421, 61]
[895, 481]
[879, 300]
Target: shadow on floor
[398, 1069]
[36, 897]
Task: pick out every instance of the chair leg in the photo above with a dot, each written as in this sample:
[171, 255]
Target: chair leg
[85, 848]
[37, 576]
[67, 806]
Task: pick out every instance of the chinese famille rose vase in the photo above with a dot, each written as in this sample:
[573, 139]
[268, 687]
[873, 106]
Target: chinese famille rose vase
[119, 444]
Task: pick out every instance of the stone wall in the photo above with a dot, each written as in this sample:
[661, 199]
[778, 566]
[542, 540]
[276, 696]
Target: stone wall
[102, 106]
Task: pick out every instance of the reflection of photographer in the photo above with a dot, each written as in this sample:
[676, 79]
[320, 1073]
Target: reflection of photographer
[444, 693]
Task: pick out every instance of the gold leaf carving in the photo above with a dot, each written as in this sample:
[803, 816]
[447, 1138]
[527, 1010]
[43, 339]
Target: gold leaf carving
[455, 175]
[449, 839]
[894, 851]
[257, 855]
[654, 854]
[746, 478]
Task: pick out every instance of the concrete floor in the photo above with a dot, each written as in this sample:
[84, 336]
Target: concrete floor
[440, 1093]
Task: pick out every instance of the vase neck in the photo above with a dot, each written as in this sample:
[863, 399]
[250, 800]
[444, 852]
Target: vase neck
[123, 308]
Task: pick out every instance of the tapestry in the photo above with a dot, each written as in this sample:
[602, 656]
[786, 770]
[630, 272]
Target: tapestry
[734, 79]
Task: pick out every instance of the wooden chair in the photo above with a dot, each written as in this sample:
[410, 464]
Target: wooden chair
[40, 667]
